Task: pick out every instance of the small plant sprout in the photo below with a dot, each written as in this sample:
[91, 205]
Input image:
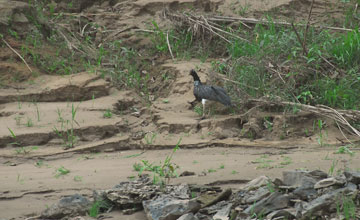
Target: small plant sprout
[19, 179]
[13, 136]
[29, 122]
[234, 172]
[61, 171]
[150, 138]
[59, 113]
[108, 114]
[37, 111]
[78, 178]
[334, 163]
[222, 166]
[211, 170]
[166, 101]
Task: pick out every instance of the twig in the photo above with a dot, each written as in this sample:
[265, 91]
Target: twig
[308, 24]
[168, 43]
[17, 54]
[342, 132]
[299, 39]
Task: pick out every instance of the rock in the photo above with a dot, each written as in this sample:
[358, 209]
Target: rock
[179, 191]
[298, 178]
[326, 203]
[223, 214]
[305, 193]
[13, 11]
[166, 207]
[188, 216]
[337, 181]
[256, 183]
[352, 176]
[129, 194]
[187, 173]
[259, 194]
[280, 213]
[209, 199]
[69, 206]
[274, 202]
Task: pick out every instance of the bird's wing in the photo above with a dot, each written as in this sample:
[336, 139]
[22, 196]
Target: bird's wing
[214, 93]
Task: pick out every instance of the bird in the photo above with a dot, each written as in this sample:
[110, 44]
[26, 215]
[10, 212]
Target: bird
[208, 92]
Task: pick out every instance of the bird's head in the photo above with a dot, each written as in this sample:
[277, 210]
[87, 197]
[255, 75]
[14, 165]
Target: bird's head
[194, 75]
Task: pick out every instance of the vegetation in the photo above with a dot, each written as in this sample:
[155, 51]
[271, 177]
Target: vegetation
[163, 172]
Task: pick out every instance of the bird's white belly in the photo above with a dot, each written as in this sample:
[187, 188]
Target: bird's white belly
[203, 101]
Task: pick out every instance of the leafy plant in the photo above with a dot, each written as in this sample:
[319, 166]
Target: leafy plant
[163, 172]
[97, 207]
[61, 171]
[108, 114]
[344, 150]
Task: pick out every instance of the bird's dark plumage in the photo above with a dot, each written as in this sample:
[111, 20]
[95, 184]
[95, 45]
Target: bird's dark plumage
[208, 92]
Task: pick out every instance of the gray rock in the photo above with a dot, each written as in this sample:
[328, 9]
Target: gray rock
[188, 216]
[325, 203]
[331, 181]
[166, 207]
[298, 178]
[274, 202]
[74, 205]
[286, 214]
[209, 199]
[305, 193]
[212, 210]
[13, 11]
[202, 216]
[256, 183]
[257, 195]
[223, 214]
[352, 176]
[129, 194]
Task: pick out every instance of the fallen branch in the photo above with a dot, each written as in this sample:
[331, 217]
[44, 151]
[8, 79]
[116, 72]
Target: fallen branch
[266, 22]
[13, 50]
[322, 110]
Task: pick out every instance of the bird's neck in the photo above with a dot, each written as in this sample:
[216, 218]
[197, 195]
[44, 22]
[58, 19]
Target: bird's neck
[197, 82]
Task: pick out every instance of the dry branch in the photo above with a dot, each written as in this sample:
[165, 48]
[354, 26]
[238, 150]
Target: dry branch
[168, 43]
[322, 110]
[266, 22]
[13, 50]
[200, 25]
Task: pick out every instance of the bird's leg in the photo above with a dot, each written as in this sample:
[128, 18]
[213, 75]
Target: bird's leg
[203, 104]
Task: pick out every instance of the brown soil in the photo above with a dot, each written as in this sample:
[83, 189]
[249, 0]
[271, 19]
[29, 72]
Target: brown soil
[233, 146]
